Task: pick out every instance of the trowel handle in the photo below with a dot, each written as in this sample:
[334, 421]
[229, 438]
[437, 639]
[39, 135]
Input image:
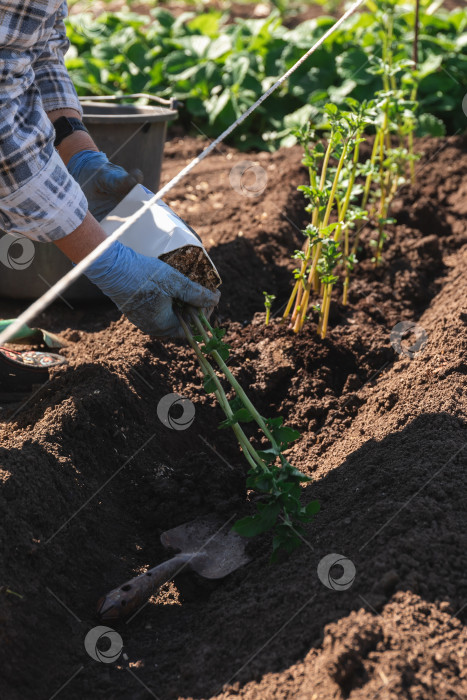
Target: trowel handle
[126, 599]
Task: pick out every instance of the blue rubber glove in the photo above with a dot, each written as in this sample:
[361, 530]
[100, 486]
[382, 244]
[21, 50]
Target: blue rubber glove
[103, 183]
[144, 289]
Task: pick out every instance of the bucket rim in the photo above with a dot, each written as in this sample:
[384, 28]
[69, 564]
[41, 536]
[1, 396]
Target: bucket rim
[112, 113]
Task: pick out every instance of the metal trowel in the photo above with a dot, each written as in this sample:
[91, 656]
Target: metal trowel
[206, 546]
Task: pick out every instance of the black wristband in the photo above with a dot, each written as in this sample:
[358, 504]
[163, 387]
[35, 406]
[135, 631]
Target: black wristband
[65, 126]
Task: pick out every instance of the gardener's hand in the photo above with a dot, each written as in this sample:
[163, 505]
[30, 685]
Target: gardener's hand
[144, 289]
[103, 183]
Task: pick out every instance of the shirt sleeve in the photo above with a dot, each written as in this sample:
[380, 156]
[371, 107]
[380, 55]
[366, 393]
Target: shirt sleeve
[51, 77]
[38, 197]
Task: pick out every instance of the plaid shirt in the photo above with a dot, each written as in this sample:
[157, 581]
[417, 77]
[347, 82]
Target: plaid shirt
[38, 197]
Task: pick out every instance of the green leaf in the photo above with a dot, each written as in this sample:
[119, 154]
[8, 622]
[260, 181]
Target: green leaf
[243, 415]
[219, 47]
[430, 65]
[300, 116]
[195, 44]
[219, 333]
[285, 539]
[290, 491]
[235, 404]
[312, 508]
[285, 435]
[164, 17]
[209, 384]
[350, 65]
[274, 422]
[215, 344]
[220, 108]
[429, 125]
[268, 456]
[177, 62]
[206, 23]
[254, 525]
[290, 472]
[136, 52]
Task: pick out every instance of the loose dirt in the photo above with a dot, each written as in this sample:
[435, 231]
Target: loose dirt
[192, 262]
[90, 476]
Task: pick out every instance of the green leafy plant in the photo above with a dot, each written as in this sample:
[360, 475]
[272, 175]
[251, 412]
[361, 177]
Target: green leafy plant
[268, 299]
[271, 475]
[339, 204]
[331, 194]
[8, 591]
[397, 106]
[219, 68]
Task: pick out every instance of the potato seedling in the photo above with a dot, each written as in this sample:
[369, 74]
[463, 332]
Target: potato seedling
[340, 207]
[8, 591]
[268, 299]
[396, 123]
[331, 194]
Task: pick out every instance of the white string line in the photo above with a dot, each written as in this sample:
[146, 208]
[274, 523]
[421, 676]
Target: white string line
[60, 286]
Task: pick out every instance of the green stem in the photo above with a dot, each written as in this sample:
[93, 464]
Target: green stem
[369, 177]
[299, 289]
[232, 381]
[348, 194]
[248, 449]
[327, 306]
[291, 300]
[306, 296]
[334, 184]
[416, 31]
[326, 160]
[387, 51]
[347, 270]
[413, 97]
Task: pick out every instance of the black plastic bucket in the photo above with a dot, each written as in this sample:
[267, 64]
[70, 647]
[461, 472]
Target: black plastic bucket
[131, 135]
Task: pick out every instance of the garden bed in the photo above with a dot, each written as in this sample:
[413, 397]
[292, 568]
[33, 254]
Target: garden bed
[382, 436]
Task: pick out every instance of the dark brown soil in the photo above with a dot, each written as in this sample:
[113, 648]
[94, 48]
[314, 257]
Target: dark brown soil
[90, 476]
[192, 262]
